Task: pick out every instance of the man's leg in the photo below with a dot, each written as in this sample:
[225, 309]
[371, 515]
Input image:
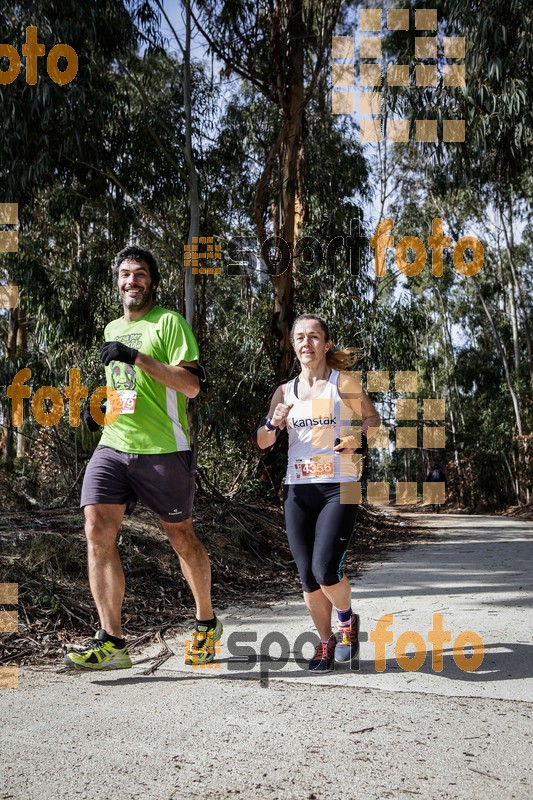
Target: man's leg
[194, 562]
[106, 576]
[196, 568]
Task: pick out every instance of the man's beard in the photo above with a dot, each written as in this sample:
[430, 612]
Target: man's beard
[139, 302]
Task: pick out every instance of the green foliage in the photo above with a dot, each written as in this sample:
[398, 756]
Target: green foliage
[496, 102]
[47, 127]
[100, 162]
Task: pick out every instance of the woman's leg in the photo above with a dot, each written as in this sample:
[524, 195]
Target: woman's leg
[339, 595]
[319, 528]
[320, 609]
[333, 531]
[300, 520]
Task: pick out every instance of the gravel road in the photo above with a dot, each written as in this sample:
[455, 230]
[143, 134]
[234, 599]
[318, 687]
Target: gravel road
[270, 730]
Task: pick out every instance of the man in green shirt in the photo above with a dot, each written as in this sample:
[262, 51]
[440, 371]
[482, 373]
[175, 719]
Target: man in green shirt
[151, 361]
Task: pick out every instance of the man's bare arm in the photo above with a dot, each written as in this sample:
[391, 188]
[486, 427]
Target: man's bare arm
[174, 377]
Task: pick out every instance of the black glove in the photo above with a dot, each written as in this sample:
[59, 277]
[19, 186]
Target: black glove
[116, 351]
[87, 418]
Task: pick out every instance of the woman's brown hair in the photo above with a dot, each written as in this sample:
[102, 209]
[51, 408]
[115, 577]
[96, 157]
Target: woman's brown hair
[336, 359]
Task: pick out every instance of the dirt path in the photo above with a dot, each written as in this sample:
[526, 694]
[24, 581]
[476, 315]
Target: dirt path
[269, 730]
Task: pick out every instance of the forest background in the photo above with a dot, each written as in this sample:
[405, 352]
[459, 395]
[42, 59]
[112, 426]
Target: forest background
[210, 119]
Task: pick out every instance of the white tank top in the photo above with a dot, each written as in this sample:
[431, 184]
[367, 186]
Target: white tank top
[313, 426]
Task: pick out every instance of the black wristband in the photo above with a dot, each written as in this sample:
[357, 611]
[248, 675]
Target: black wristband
[201, 374]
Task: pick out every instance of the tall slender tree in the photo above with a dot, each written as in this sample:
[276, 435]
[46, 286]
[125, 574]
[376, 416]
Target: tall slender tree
[280, 47]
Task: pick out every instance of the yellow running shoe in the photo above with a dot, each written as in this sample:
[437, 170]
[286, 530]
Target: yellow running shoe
[100, 654]
[204, 641]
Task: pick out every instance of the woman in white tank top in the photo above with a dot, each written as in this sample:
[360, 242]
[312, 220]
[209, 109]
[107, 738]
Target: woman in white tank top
[327, 416]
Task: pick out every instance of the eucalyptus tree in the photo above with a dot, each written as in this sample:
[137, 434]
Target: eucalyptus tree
[280, 48]
[46, 126]
[481, 186]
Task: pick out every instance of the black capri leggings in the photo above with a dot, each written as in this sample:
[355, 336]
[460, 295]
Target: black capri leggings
[319, 529]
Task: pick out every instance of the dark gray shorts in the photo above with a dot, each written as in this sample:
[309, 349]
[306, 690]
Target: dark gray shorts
[164, 482]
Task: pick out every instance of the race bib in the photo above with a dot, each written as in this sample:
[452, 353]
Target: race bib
[318, 466]
[128, 399]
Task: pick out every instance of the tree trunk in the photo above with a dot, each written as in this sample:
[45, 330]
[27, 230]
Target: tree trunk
[194, 206]
[289, 220]
[514, 482]
[509, 242]
[499, 347]
[192, 176]
[514, 326]
[11, 351]
[448, 370]
[23, 444]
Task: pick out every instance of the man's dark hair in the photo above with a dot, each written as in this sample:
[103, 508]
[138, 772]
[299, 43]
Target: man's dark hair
[134, 253]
